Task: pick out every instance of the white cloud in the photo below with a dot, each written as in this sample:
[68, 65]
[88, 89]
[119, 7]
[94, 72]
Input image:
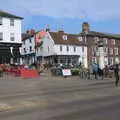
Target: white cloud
[90, 9]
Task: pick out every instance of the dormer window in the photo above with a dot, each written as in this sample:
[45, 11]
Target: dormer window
[64, 37]
[80, 39]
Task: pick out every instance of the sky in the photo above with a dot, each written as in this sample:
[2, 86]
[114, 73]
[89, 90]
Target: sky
[102, 15]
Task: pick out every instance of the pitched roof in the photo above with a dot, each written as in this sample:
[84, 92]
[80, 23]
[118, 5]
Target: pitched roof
[100, 34]
[72, 39]
[6, 14]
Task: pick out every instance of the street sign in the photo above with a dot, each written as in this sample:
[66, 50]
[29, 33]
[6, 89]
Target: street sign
[66, 72]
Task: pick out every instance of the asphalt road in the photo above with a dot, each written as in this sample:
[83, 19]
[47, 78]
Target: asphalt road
[58, 99]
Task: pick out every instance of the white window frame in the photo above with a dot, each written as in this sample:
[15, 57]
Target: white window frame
[61, 48]
[30, 48]
[74, 48]
[80, 38]
[113, 41]
[105, 49]
[111, 51]
[96, 39]
[67, 48]
[12, 22]
[12, 37]
[64, 37]
[105, 41]
[116, 51]
[1, 36]
[1, 21]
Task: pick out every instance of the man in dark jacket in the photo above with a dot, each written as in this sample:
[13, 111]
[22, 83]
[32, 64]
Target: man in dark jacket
[116, 71]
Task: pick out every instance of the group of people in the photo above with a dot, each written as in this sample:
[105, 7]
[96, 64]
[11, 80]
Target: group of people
[101, 72]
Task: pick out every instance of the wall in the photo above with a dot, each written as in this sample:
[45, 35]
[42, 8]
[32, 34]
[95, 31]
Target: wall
[47, 48]
[27, 46]
[7, 29]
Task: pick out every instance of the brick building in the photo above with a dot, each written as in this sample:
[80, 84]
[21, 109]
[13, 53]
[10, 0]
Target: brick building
[110, 42]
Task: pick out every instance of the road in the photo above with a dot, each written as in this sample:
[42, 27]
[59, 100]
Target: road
[58, 99]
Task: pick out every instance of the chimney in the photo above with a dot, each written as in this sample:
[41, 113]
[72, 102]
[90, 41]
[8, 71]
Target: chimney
[85, 27]
[47, 28]
[60, 30]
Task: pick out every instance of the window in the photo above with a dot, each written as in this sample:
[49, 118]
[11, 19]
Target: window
[111, 61]
[64, 37]
[67, 48]
[11, 22]
[105, 49]
[111, 51]
[95, 51]
[74, 48]
[83, 49]
[116, 51]
[48, 49]
[60, 47]
[96, 39]
[25, 50]
[112, 41]
[105, 41]
[1, 36]
[30, 48]
[12, 37]
[30, 40]
[24, 42]
[80, 39]
[1, 20]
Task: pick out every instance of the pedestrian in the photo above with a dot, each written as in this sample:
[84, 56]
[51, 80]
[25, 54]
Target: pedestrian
[100, 72]
[116, 72]
[95, 69]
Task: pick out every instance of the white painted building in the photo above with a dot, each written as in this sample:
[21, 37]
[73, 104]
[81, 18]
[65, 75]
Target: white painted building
[28, 49]
[57, 47]
[10, 37]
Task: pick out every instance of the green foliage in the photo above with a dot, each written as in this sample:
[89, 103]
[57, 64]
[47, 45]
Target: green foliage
[75, 71]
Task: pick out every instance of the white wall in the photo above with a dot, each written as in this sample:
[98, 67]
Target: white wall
[27, 46]
[7, 29]
[48, 43]
[54, 49]
[82, 54]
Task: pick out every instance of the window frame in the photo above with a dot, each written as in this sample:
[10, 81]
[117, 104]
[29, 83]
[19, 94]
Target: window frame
[67, 48]
[1, 21]
[30, 48]
[74, 48]
[61, 48]
[1, 36]
[12, 22]
[12, 36]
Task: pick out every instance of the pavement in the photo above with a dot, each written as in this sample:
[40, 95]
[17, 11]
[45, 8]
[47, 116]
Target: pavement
[58, 98]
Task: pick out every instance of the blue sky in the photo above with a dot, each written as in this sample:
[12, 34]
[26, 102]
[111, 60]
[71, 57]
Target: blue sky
[102, 15]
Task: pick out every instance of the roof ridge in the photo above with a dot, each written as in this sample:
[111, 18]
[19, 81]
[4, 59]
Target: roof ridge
[7, 14]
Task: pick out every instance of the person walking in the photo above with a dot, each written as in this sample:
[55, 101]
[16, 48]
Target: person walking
[116, 72]
[95, 69]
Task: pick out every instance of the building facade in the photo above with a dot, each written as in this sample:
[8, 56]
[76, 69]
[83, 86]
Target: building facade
[10, 37]
[59, 48]
[110, 48]
[28, 48]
